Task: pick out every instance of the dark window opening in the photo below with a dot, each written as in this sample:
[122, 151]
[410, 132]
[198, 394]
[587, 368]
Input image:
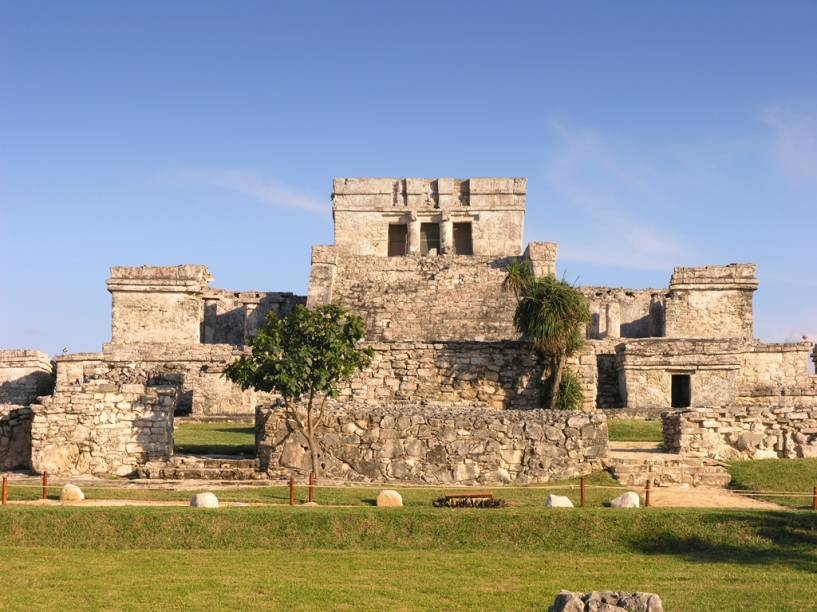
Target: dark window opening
[429, 238]
[462, 239]
[398, 234]
[681, 390]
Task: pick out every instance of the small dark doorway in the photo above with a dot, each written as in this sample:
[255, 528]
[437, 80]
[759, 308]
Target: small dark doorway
[681, 390]
[398, 233]
[429, 238]
[462, 239]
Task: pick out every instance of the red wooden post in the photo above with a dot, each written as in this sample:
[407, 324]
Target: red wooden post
[584, 493]
[814, 499]
[5, 490]
[45, 484]
[291, 491]
[311, 486]
[647, 495]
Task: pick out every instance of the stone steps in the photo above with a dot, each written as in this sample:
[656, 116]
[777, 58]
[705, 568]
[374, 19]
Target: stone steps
[633, 467]
[203, 467]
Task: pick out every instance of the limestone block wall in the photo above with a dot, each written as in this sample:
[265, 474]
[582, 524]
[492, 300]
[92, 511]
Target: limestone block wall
[421, 298]
[157, 303]
[364, 207]
[786, 429]
[196, 369]
[711, 302]
[15, 437]
[24, 374]
[102, 429]
[646, 367]
[438, 445]
[489, 374]
[775, 365]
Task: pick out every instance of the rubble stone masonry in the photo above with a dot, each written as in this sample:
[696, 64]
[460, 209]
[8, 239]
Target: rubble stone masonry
[15, 437]
[102, 429]
[785, 427]
[438, 445]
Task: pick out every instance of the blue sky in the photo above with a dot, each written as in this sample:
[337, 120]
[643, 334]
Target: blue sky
[652, 134]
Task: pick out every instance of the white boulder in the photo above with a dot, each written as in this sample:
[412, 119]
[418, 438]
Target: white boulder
[626, 500]
[204, 500]
[71, 493]
[389, 499]
[558, 501]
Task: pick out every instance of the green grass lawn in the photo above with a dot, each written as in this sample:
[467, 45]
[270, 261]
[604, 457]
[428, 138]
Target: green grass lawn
[534, 495]
[632, 430]
[777, 475]
[214, 438]
[410, 558]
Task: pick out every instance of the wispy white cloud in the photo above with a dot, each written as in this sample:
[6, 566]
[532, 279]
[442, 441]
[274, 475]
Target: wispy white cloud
[246, 183]
[615, 197]
[793, 141]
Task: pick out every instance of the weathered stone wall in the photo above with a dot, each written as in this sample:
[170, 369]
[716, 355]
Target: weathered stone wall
[196, 369]
[422, 298]
[102, 429]
[711, 302]
[438, 445]
[363, 208]
[15, 437]
[157, 304]
[646, 367]
[775, 365]
[745, 431]
[491, 374]
[624, 313]
[24, 374]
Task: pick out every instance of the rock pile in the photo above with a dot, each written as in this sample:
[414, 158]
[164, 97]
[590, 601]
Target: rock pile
[608, 601]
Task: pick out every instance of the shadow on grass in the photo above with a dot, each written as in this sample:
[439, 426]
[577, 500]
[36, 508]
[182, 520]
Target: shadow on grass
[786, 538]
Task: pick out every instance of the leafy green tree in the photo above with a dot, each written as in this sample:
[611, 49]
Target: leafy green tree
[303, 357]
[551, 315]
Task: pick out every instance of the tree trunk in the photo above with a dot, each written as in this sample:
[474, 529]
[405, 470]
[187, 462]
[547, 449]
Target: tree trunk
[556, 381]
[310, 435]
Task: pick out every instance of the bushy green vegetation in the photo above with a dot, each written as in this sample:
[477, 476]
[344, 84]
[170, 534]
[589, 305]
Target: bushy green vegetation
[410, 558]
[633, 430]
[215, 438]
[768, 475]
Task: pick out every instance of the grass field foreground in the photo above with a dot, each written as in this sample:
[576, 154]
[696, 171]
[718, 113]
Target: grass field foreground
[410, 558]
[214, 438]
[634, 430]
[769, 475]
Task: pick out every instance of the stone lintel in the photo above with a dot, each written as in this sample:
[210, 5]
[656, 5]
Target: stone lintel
[731, 277]
[187, 278]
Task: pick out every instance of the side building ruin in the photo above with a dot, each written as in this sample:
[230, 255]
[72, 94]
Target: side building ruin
[422, 261]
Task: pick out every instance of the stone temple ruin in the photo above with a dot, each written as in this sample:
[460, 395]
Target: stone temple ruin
[452, 395]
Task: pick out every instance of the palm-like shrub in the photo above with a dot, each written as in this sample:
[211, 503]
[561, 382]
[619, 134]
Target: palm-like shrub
[551, 315]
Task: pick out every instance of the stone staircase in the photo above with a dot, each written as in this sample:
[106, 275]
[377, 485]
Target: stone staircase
[203, 467]
[633, 463]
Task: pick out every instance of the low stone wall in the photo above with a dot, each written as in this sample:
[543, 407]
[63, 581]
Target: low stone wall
[102, 429]
[438, 445]
[787, 429]
[15, 437]
[197, 369]
[24, 374]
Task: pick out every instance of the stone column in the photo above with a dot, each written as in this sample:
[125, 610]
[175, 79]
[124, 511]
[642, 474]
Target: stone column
[249, 319]
[414, 235]
[446, 235]
[208, 326]
[613, 320]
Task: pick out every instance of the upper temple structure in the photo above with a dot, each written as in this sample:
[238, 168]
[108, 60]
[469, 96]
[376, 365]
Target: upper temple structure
[423, 262]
